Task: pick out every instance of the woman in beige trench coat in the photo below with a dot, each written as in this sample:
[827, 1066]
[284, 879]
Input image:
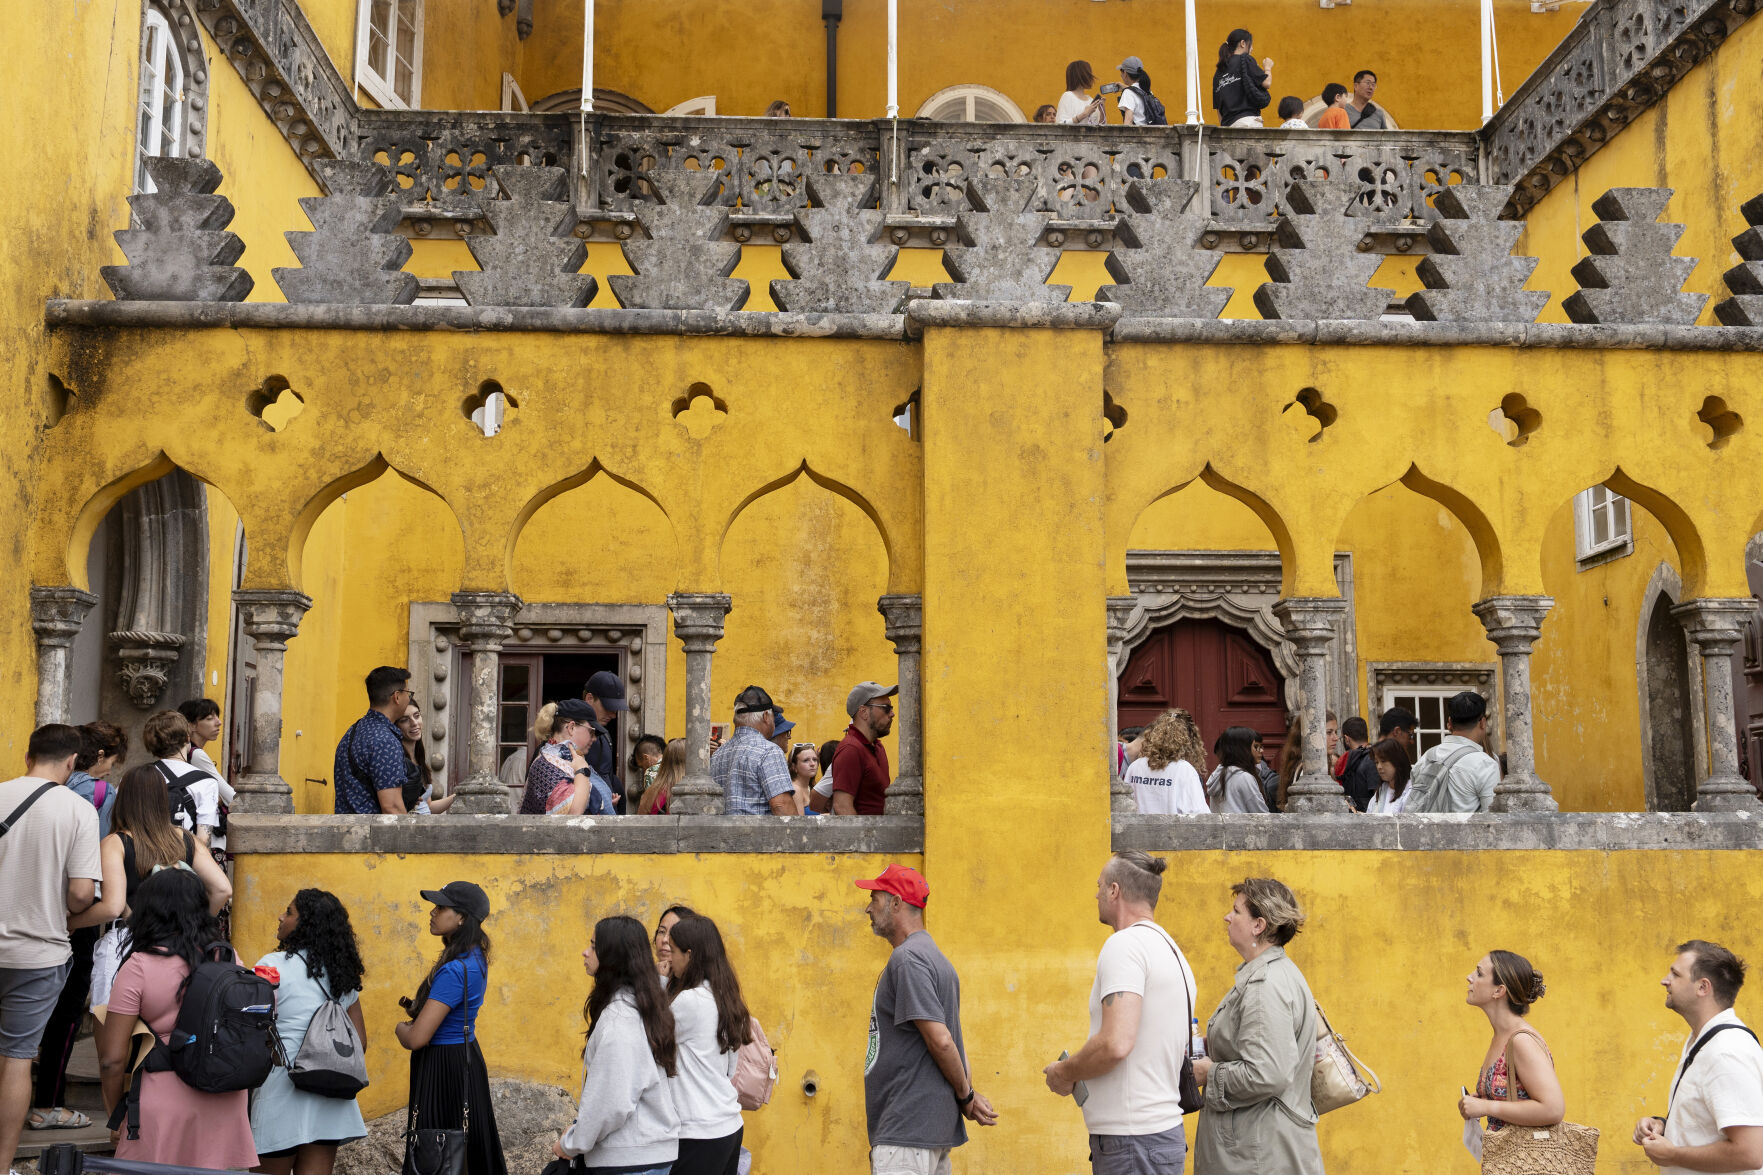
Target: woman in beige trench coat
[1260, 1048]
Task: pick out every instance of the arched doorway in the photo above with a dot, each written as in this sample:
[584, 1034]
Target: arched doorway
[1211, 669]
[1669, 718]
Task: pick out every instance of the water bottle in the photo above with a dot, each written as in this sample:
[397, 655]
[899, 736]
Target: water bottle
[1198, 1048]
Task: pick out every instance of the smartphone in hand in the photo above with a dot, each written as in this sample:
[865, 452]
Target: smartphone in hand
[1111, 88]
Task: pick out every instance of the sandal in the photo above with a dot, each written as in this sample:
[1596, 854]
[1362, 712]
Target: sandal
[59, 1118]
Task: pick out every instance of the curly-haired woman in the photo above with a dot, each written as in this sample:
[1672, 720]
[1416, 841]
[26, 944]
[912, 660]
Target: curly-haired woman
[1166, 778]
[318, 961]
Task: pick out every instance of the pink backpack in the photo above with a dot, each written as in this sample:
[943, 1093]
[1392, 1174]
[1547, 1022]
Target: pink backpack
[755, 1069]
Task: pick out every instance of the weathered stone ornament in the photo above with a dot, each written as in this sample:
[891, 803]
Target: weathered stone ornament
[1317, 266]
[1745, 280]
[1160, 270]
[1471, 275]
[683, 265]
[841, 267]
[1631, 276]
[532, 258]
[179, 252]
[1000, 257]
[354, 255]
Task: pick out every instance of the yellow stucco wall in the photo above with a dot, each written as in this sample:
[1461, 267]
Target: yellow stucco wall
[1015, 916]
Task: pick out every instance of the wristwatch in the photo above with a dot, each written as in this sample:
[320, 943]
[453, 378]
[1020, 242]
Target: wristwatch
[963, 1102]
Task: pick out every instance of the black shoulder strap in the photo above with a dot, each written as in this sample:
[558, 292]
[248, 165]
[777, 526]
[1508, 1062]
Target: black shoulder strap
[1697, 1048]
[1181, 976]
[6, 824]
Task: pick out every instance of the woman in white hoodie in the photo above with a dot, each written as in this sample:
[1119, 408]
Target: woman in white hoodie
[712, 1023]
[626, 1121]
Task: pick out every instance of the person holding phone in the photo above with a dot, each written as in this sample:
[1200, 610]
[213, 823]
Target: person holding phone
[1076, 107]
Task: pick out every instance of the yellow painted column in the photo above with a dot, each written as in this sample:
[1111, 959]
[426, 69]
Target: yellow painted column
[1015, 686]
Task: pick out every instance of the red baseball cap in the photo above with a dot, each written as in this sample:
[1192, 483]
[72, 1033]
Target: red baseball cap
[906, 884]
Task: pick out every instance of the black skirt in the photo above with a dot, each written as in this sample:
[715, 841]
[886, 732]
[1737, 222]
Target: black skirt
[444, 1080]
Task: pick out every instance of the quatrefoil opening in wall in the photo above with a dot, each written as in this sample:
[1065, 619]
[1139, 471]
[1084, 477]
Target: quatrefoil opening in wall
[699, 410]
[275, 404]
[1311, 412]
[1113, 416]
[490, 409]
[1515, 419]
[1722, 421]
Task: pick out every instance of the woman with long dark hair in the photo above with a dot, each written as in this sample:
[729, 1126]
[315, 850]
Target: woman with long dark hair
[626, 1122]
[1233, 785]
[143, 841]
[319, 960]
[449, 1085]
[664, 937]
[1240, 86]
[1393, 769]
[419, 779]
[170, 928]
[711, 1023]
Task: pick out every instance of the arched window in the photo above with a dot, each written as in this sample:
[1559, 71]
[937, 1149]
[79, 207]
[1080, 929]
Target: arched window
[970, 103]
[160, 123]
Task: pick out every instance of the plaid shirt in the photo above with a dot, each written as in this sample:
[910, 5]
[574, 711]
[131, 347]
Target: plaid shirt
[749, 771]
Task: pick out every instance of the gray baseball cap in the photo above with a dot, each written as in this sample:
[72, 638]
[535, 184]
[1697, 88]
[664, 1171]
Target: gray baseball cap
[865, 692]
[1132, 65]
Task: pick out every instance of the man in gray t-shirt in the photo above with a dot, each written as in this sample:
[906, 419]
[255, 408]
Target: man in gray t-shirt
[916, 1086]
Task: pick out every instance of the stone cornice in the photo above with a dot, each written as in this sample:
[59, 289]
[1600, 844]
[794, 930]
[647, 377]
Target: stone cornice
[1575, 831]
[1621, 58]
[275, 50]
[521, 835]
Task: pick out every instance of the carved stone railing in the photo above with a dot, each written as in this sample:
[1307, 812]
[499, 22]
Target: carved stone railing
[1620, 58]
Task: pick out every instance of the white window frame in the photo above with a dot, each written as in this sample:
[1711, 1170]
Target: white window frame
[968, 92]
[1589, 506]
[159, 102]
[384, 89]
[1427, 735]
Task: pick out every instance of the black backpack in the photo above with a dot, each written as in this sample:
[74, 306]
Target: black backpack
[182, 802]
[224, 1039]
[1155, 115]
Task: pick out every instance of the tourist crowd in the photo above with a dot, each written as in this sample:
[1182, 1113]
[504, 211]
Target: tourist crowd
[1163, 764]
[1241, 90]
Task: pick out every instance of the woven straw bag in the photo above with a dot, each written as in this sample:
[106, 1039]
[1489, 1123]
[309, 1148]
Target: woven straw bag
[1565, 1148]
[1335, 1080]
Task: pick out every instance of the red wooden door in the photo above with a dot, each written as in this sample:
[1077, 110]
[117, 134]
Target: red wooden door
[1212, 670]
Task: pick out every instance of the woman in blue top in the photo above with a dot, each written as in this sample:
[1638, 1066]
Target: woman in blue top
[298, 1132]
[449, 1085]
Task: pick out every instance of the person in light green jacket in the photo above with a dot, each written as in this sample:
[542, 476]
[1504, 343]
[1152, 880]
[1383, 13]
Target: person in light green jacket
[1258, 1118]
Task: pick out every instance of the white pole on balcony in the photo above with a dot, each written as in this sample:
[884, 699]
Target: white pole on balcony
[1487, 60]
[893, 58]
[587, 56]
[1193, 52]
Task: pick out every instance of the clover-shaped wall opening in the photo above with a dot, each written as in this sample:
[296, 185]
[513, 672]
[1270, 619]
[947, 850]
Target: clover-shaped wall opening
[275, 404]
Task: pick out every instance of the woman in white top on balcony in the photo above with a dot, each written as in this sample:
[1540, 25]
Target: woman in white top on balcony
[1075, 105]
[1166, 778]
[1393, 768]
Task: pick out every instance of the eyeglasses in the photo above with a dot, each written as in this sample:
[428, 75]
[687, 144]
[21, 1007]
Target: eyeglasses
[885, 709]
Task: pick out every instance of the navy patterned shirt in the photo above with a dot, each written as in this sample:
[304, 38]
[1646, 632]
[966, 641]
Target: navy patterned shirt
[370, 758]
[749, 770]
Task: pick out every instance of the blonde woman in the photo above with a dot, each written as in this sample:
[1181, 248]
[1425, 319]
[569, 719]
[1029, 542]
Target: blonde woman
[1165, 778]
[669, 773]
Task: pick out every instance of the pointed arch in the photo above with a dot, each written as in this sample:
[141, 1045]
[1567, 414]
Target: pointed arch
[79, 539]
[824, 482]
[316, 505]
[1481, 530]
[557, 489]
[1692, 555]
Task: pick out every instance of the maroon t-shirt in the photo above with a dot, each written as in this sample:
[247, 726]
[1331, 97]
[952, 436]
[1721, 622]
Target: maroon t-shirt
[860, 770]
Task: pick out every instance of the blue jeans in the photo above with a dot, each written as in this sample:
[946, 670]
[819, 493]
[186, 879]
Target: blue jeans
[1139, 1154]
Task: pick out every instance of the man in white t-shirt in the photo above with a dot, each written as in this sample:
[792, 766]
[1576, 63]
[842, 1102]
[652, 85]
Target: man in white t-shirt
[1714, 1121]
[48, 870]
[1127, 1076]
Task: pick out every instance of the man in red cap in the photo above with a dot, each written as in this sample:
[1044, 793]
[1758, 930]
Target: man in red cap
[916, 1086]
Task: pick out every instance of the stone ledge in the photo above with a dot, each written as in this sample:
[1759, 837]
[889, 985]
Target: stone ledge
[747, 324]
[1335, 332]
[1576, 831]
[248, 833]
[924, 312]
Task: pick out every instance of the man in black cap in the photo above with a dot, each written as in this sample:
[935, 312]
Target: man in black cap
[604, 693]
[750, 771]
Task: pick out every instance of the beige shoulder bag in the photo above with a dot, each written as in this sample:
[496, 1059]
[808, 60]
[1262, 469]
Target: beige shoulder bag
[1335, 1081]
[1565, 1148]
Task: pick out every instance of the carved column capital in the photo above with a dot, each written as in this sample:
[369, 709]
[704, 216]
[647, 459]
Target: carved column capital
[904, 619]
[1714, 622]
[1513, 623]
[1309, 624]
[486, 619]
[271, 616]
[698, 618]
[1120, 610]
[57, 613]
[1715, 626]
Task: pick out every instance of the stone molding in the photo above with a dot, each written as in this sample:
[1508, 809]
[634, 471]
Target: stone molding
[274, 49]
[1621, 58]
[1514, 832]
[1241, 588]
[1481, 676]
[57, 614]
[575, 835]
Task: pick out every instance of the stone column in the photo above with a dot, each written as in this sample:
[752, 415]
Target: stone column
[1514, 623]
[56, 616]
[1120, 608]
[270, 617]
[697, 622]
[1309, 624]
[905, 631]
[486, 620]
[1715, 626]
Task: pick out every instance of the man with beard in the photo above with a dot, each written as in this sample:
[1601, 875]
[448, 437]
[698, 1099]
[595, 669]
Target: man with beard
[860, 786]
